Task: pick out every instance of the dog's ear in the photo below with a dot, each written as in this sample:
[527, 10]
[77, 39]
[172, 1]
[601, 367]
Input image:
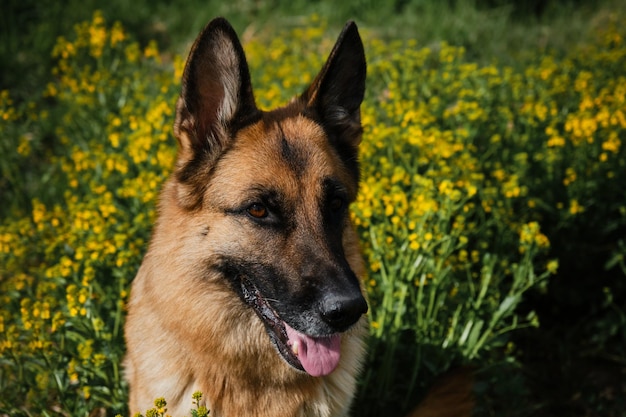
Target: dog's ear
[216, 94]
[336, 94]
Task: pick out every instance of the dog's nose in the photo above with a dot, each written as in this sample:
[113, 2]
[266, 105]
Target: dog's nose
[341, 312]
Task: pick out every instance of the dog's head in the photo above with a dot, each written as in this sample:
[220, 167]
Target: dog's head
[271, 191]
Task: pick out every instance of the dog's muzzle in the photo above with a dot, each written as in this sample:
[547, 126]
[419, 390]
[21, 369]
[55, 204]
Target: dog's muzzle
[315, 355]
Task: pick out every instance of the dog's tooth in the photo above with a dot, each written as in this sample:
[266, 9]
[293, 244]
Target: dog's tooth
[294, 347]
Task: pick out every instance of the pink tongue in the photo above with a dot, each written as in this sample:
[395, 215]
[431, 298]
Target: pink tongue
[318, 355]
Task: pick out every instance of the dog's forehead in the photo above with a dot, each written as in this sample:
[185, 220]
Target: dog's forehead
[297, 144]
[303, 143]
[293, 155]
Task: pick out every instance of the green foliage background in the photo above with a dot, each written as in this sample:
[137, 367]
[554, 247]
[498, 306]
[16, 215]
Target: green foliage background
[492, 201]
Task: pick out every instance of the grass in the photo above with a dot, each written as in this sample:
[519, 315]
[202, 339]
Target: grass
[492, 198]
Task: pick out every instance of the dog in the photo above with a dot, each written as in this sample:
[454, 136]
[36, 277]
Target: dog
[250, 291]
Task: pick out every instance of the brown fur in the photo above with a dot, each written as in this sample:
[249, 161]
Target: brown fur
[188, 327]
[450, 396]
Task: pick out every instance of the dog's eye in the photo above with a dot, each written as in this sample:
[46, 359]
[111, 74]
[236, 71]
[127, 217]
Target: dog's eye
[257, 210]
[336, 204]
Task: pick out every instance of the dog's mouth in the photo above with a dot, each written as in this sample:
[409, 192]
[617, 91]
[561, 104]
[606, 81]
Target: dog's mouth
[317, 356]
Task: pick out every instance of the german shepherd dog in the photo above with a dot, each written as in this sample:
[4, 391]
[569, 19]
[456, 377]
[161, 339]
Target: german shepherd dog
[250, 291]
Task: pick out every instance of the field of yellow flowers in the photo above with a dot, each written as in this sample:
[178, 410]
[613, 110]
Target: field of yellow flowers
[471, 175]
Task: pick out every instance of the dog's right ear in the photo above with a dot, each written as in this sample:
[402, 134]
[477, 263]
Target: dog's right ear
[216, 100]
[216, 94]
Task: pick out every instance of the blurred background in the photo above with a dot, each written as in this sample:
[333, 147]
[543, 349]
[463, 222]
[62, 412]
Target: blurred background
[488, 29]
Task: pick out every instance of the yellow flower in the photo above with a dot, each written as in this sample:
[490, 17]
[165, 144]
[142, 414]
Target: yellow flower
[556, 141]
[612, 144]
[575, 208]
[97, 39]
[570, 176]
[39, 212]
[114, 138]
[85, 349]
[552, 266]
[117, 34]
[530, 235]
[151, 51]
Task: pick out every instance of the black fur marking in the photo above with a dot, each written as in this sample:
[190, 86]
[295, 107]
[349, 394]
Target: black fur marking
[294, 157]
[334, 214]
[350, 157]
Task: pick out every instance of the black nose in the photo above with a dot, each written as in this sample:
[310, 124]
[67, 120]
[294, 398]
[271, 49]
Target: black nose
[341, 311]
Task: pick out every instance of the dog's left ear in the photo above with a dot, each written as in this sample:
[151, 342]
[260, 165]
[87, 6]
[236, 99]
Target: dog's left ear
[336, 94]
